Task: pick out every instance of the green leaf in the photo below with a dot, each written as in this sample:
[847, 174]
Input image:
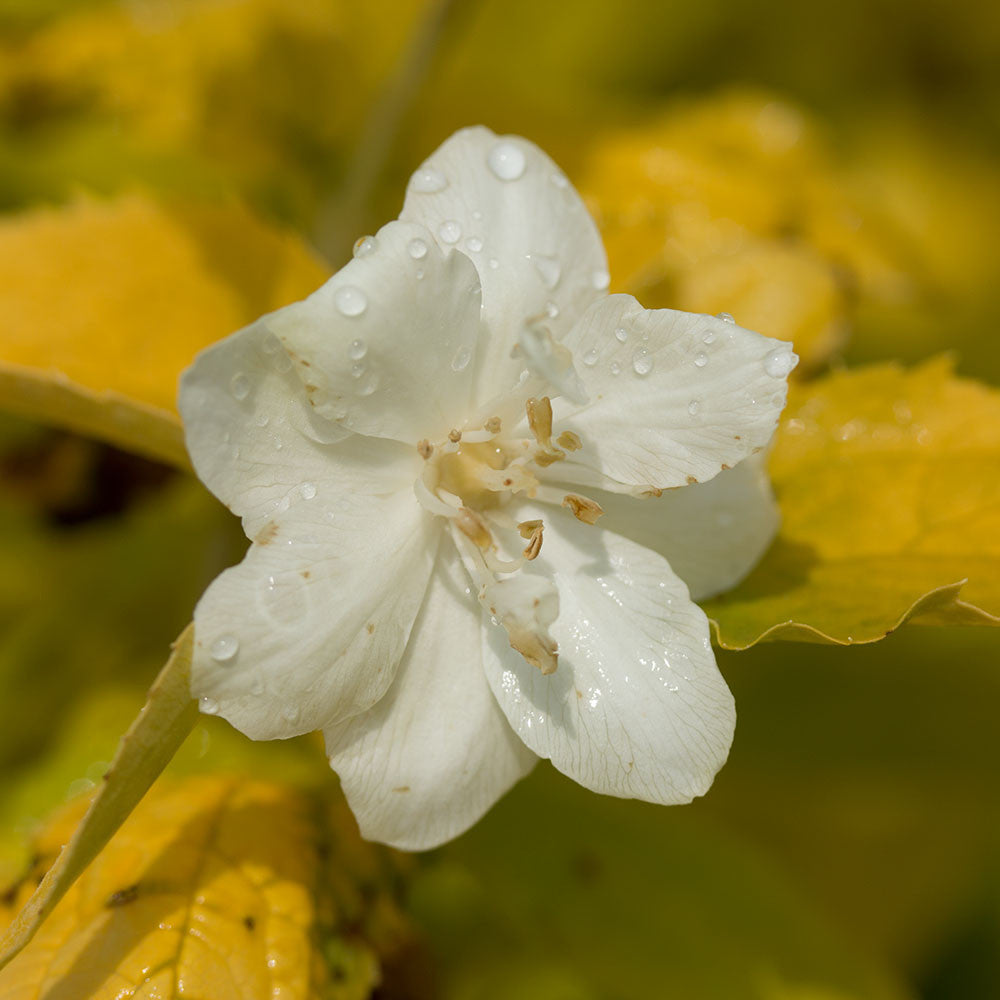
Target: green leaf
[161, 727]
[889, 486]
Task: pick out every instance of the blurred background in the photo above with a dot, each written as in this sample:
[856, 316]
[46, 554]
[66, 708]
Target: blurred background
[826, 173]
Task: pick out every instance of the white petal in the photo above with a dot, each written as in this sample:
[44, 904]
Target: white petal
[436, 752]
[310, 627]
[712, 534]
[637, 707]
[502, 201]
[675, 396]
[388, 346]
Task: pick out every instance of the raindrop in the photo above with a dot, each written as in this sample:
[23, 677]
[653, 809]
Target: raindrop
[368, 387]
[417, 248]
[477, 215]
[621, 335]
[357, 350]
[615, 368]
[208, 705]
[778, 363]
[350, 300]
[590, 358]
[725, 317]
[708, 338]
[420, 274]
[507, 161]
[642, 362]
[450, 231]
[290, 714]
[601, 280]
[701, 359]
[494, 263]
[257, 688]
[694, 406]
[551, 309]
[461, 359]
[239, 386]
[428, 180]
[225, 648]
[548, 268]
[474, 244]
[357, 370]
[365, 246]
[270, 345]
[560, 181]
[308, 491]
[262, 420]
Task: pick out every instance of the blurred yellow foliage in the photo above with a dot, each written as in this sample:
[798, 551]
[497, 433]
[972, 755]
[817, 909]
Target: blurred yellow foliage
[889, 485]
[733, 204]
[104, 303]
[214, 888]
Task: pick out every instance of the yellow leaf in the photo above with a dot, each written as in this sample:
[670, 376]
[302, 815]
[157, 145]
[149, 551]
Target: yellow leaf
[732, 205]
[216, 888]
[889, 485]
[104, 303]
[161, 727]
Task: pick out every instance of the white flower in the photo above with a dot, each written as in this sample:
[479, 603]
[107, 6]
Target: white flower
[426, 583]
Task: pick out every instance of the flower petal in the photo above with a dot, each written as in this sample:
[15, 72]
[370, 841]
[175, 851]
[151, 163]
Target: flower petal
[435, 752]
[637, 707]
[675, 397]
[387, 347]
[503, 202]
[310, 627]
[712, 534]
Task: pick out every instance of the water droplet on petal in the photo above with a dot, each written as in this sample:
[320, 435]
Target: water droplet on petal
[420, 274]
[507, 161]
[474, 244]
[357, 370]
[708, 338]
[290, 714]
[308, 491]
[494, 263]
[590, 358]
[615, 368]
[417, 248]
[450, 231]
[551, 310]
[642, 361]
[365, 246]
[208, 705]
[600, 280]
[725, 317]
[701, 359]
[477, 215]
[239, 386]
[461, 359]
[350, 300]
[257, 688]
[225, 648]
[262, 420]
[428, 180]
[357, 350]
[694, 406]
[282, 362]
[621, 335]
[779, 362]
[270, 344]
[547, 267]
[559, 180]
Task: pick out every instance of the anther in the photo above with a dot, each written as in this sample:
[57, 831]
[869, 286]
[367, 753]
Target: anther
[425, 449]
[569, 441]
[583, 509]
[454, 436]
[492, 425]
[540, 419]
[532, 530]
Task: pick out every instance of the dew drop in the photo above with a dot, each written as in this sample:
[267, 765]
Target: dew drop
[725, 317]
[551, 309]
[642, 361]
[270, 345]
[428, 180]
[368, 386]
[282, 362]
[450, 231]
[701, 359]
[778, 363]
[350, 300]
[290, 713]
[507, 161]
[208, 705]
[694, 406]
[600, 280]
[417, 248]
[239, 386]
[365, 246]
[709, 337]
[494, 263]
[615, 368]
[621, 335]
[474, 244]
[559, 180]
[225, 648]
[357, 350]
[548, 268]
[420, 274]
[357, 370]
[257, 688]
[308, 491]
[461, 359]
[590, 358]
[262, 420]
[477, 215]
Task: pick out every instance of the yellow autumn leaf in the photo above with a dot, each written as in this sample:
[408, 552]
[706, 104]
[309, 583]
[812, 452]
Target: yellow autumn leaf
[102, 304]
[732, 204]
[216, 889]
[889, 486]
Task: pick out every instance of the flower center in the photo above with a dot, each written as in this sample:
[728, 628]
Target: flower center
[471, 478]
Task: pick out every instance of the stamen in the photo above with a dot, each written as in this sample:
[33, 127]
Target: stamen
[492, 425]
[425, 449]
[540, 419]
[532, 530]
[569, 441]
[472, 526]
[454, 436]
[583, 509]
